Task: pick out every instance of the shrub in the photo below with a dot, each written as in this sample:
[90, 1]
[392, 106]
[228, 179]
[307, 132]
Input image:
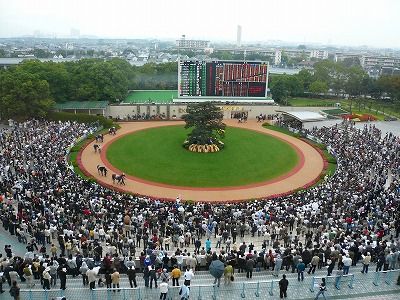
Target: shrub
[75, 148]
[80, 118]
[320, 146]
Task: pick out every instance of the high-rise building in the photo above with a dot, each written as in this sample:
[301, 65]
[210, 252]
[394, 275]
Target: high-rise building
[239, 36]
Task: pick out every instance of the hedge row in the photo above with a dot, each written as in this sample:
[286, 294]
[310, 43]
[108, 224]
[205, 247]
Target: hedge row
[80, 118]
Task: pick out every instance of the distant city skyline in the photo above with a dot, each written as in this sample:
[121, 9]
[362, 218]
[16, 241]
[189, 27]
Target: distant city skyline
[341, 22]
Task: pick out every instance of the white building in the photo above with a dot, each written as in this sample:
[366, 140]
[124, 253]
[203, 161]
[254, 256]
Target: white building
[339, 56]
[183, 43]
[379, 61]
[319, 54]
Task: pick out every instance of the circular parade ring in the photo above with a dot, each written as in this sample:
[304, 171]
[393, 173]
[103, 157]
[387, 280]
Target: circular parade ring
[157, 155]
[307, 171]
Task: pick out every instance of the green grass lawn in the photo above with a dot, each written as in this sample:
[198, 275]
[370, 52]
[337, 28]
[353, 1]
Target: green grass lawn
[157, 155]
[365, 106]
[313, 102]
[156, 96]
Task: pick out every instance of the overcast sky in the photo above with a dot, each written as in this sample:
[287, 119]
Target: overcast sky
[340, 22]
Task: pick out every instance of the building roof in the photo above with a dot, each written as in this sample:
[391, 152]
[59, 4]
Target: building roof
[150, 96]
[304, 116]
[82, 105]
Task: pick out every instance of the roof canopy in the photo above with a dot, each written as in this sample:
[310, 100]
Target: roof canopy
[304, 116]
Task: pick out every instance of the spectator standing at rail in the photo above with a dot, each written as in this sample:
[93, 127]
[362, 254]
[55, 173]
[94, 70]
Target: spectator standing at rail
[322, 289]
[283, 285]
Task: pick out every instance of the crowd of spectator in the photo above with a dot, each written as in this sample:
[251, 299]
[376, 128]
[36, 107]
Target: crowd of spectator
[75, 227]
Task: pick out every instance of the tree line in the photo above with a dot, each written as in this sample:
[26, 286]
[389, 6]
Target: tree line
[33, 87]
[335, 79]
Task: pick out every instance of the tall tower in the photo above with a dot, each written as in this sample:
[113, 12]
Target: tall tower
[239, 36]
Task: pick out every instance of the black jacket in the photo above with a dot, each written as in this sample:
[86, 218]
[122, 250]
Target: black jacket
[283, 284]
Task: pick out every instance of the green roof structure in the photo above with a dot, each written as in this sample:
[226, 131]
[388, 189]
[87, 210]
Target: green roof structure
[150, 96]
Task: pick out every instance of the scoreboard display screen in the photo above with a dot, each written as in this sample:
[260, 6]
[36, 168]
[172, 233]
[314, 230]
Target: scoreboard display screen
[222, 79]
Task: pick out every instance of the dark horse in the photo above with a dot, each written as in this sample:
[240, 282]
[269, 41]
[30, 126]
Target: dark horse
[118, 178]
[102, 170]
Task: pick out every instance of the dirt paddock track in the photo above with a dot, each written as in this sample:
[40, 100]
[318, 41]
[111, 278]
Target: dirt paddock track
[304, 174]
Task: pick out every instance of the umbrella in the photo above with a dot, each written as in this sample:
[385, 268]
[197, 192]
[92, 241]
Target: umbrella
[217, 268]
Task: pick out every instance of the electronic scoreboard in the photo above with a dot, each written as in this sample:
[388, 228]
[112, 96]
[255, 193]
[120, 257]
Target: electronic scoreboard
[222, 79]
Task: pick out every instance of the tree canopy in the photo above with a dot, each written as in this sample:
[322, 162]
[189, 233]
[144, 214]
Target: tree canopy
[206, 120]
[23, 95]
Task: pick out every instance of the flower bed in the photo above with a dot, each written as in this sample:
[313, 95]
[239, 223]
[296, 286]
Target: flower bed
[359, 117]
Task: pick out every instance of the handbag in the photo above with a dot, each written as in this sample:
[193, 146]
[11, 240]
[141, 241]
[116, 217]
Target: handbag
[232, 278]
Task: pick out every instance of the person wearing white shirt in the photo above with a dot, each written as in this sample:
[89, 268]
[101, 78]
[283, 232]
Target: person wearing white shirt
[188, 276]
[346, 264]
[163, 289]
[179, 259]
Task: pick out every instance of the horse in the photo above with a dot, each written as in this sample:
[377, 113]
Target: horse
[120, 179]
[99, 138]
[102, 170]
[96, 147]
[112, 131]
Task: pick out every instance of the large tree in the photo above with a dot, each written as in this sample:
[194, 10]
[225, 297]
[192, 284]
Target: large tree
[23, 95]
[206, 120]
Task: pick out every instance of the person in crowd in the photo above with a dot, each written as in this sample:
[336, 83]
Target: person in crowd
[153, 276]
[300, 270]
[46, 279]
[188, 276]
[115, 279]
[175, 274]
[347, 261]
[366, 260]
[184, 292]
[322, 289]
[131, 272]
[283, 286]
[163, 289]
[344, 214]
[62, 274]
[249, 266]
[15, 291]
[228, 274]
[83, 270]
[91, 274]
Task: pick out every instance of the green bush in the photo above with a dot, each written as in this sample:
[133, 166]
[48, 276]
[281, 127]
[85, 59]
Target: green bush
[91, 179]
[75, 149]
[320, 146]
[330, 158]
[80, 118]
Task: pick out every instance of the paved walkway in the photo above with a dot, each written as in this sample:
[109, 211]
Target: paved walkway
[307, 172]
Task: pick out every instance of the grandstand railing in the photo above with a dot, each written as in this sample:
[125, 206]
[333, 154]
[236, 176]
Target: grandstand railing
[341, 285]
[336, 279]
